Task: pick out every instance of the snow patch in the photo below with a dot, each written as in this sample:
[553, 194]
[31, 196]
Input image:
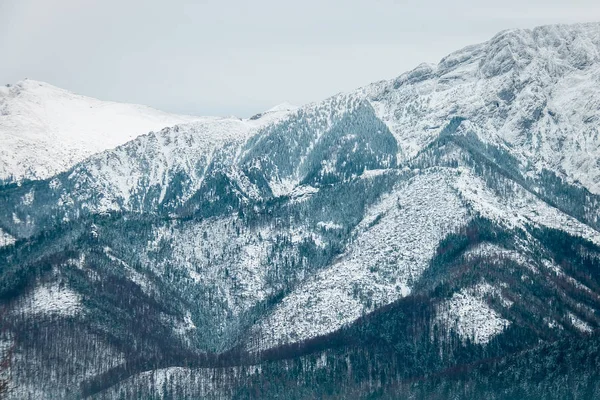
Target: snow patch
[6, 239]
[468, 314]
[519, 208]
[28, 198]
[579, 324]
[329, 225]
[51, 299]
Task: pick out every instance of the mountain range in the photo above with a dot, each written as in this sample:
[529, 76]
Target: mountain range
[436, 235]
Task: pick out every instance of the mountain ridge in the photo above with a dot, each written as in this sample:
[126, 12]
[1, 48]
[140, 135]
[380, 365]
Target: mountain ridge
[46, 130]
[445, 217]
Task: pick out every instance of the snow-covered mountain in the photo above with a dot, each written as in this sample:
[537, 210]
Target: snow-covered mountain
[435, 220]
[533, 91]
[45, 130]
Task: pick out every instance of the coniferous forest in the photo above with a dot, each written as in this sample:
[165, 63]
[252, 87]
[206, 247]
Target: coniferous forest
[435, 236]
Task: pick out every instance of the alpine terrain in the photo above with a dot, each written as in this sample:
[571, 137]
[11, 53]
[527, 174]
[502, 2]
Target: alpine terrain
[432, 236]
[45, 130]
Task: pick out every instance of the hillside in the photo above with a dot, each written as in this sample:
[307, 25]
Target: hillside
[415, 237]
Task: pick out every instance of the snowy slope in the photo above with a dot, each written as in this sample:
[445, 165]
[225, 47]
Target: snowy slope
[470, 316]
[129, 172]
[170, 164]
[535, 91]
[45, 130]
[390, 249]
[299, 221]
[394, 244]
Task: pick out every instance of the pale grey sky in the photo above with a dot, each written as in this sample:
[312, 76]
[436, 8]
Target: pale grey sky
[234, 57]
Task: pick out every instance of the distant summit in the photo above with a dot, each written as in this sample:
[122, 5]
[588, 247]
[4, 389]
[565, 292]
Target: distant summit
[45, 130]
[285, 106]
[278, 109]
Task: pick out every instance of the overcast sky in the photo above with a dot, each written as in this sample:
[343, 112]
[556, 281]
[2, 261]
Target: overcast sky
[240, 57]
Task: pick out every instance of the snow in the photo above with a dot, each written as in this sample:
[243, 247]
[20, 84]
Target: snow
[45, 130]
[391, 248]
[301, 234]
[285, 106]
[28, 198]
[16, 219]
[579, 324]
[135, 276]
[51, 299]
[283, 187]
[5, 239]
[559, 272]
[329, 225]
[214, 255]
[302, 130]
[519, 208]
[372, 173]
[197, 383]
[183, 328]
[468, 314]
[301, 193]
[124, 174]
[534, 91]
[531, 92]
[122, 178]
[489, 250]
[552, 324]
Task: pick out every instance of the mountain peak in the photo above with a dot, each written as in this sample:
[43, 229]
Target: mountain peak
[32, 84]
[274, 112]
[45, 130]
[285, 106]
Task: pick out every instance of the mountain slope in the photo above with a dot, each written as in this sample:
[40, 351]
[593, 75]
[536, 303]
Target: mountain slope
[444, 218]
[534, 91]
[482, 300]
[45, 130]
